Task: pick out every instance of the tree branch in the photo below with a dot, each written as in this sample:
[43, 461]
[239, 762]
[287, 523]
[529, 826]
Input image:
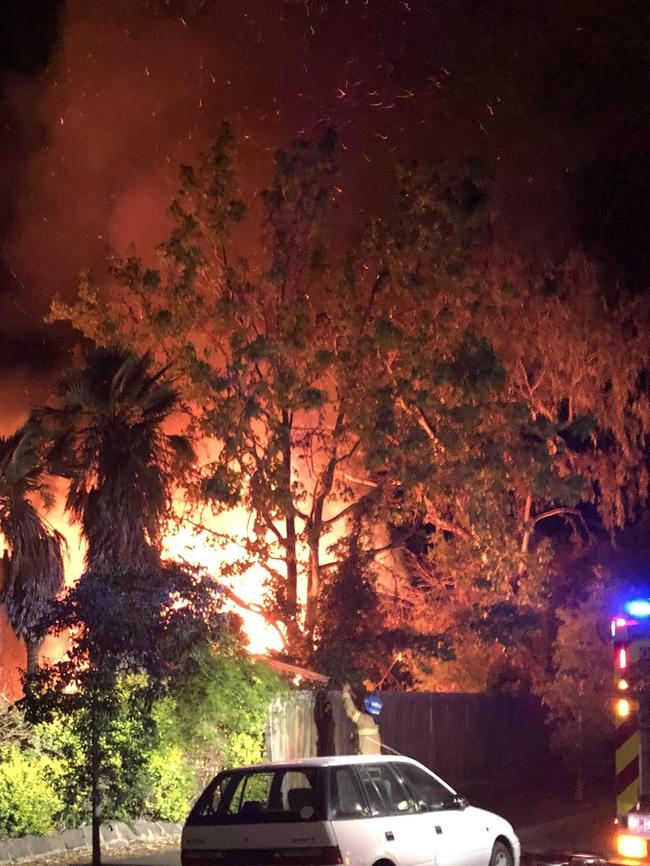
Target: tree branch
[439, 522]
[348, 508]
[567, 513]
[251, 607]
[365, 557]
[364, 482]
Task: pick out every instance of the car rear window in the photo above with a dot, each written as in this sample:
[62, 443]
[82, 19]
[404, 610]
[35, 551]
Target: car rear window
[262, 796]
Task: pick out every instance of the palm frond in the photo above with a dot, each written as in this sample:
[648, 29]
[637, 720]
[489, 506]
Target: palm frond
[119, 461]
[33, 567]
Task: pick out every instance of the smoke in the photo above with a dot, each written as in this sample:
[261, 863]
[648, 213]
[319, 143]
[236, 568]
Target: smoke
[136, 87]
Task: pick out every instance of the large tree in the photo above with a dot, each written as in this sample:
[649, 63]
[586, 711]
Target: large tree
[522, 394]
[267, 351]
[32, 562]
[377, 411]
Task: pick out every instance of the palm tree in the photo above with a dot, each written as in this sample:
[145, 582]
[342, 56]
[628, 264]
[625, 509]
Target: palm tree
[109, 441]
[33, 557]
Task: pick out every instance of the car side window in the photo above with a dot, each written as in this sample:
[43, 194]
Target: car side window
[430, 794]
[347, 800]
[251, 797]
[386, 793]
[213, 797]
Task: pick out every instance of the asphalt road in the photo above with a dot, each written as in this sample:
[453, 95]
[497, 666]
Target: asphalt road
[590, 831]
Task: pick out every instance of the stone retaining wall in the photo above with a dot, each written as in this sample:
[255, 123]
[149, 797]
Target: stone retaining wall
[113, 835]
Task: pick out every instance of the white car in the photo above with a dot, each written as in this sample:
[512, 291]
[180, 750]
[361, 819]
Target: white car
[371, 810]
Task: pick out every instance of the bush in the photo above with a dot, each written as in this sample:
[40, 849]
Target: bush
[211, 718]
[29, 798]
[172, 784]
[127, 746]
[218, 714]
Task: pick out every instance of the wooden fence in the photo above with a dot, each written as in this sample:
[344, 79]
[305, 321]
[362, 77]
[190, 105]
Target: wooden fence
[469, 739]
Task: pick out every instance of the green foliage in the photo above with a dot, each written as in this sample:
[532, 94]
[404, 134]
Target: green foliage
[153, 763]
[578, 694]
[29, 798]
[171, 783]
[128, 741]
[60, 739]
[218, 713]
[130, 632]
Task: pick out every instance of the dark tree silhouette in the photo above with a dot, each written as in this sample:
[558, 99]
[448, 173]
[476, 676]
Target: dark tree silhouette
[109, 441]
[33, 559]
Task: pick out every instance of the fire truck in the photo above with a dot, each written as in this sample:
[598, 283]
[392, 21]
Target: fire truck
[631, 639]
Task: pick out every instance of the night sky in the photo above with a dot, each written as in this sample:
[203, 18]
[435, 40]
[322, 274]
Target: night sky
[102, 99]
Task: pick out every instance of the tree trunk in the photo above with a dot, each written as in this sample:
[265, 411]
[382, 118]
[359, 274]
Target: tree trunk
[95, 793]
[290, 518]
[324, 720]
[33, 645]
[525, 539]
[314, 584]
[292, 566]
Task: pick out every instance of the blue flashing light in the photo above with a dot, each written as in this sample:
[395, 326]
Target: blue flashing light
[639, 608]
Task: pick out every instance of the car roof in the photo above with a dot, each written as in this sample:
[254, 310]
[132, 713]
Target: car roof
[328, 761]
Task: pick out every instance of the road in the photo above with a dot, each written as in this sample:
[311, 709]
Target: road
[590, 831]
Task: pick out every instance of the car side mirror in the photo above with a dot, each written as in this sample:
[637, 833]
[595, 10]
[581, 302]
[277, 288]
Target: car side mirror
[458, 801]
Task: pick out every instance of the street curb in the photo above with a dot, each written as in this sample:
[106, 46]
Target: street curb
[113, 834]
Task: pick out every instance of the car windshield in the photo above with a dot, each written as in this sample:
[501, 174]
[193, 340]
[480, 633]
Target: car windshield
[261, 796]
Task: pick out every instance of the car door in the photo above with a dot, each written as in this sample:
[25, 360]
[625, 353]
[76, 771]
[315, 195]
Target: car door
[351, 818]
[400, 831]
[458, 838]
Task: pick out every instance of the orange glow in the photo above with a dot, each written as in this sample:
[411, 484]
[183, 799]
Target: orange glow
[217, 544]
[632, 847]
[623, 708]
[623, 685]
[196, 548]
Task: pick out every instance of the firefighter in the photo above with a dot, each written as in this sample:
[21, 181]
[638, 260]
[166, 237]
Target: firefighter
[365, 725]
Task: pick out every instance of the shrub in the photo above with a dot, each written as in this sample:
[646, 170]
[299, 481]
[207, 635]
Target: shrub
[127, 746]
[29, 798]
[210, 718]
[172, 784]
[218, 715]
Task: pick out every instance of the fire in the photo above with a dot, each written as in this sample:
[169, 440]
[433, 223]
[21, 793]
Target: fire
[198, 549]
[182, 543]
[213, 542]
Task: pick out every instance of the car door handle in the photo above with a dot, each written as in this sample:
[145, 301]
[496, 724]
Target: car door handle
[390, 835]
[438, 830]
